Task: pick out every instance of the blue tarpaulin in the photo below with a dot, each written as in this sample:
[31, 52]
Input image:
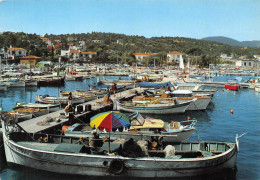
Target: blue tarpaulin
[145, 84]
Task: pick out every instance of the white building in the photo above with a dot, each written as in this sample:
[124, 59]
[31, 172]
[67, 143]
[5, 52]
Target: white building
[225, 57]
[141, 56]
[65, 53]
[174, 57]
[88, 54]
[257, 57]
[247, 63]
[3, 54]
[16, 52]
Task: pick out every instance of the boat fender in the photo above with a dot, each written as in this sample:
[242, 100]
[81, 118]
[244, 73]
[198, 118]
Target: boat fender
[116, 166]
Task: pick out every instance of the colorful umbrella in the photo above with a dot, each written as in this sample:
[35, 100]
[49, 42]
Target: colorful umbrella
[111, 120]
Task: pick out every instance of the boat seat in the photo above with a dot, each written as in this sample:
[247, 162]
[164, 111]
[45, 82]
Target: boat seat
[206, 153]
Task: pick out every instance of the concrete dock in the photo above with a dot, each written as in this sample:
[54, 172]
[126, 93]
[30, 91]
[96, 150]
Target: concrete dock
[32, 125]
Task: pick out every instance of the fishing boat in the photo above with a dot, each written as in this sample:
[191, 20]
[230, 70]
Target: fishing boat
[50, 107]
[31, 82]
[141, 129]
[201, 101]
[195, 88]
[87, 96]
[78, 156]
[20, 116]
[3, 87]
[52, 81]
[257, 87]
[154, 107]
[15, 83]
[35, 111]
[46, 99]
[232, 86]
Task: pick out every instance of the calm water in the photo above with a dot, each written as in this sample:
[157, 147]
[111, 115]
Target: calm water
[214, 124]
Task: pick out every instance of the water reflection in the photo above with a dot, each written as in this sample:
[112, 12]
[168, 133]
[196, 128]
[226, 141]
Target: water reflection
[16, 172]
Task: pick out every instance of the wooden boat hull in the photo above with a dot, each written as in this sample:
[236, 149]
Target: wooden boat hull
[58, 100]
[167, 109]
[43, 156]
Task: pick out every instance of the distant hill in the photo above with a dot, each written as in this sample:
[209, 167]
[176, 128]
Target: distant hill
[232, 42]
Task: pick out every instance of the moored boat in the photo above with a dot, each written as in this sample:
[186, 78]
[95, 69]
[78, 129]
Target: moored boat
[70, 155]
[232, 86]
[45, 99]
[155, 107]
[50, 107]
[141, 129]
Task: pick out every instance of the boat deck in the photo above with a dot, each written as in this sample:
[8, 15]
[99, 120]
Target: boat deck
[31, 125]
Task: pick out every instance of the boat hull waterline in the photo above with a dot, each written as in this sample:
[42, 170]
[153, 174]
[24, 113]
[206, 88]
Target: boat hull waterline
[98, 165]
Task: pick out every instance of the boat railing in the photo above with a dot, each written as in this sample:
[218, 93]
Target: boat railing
[190, 123]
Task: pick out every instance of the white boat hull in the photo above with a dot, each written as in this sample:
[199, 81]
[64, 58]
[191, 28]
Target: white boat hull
[42, 156]
[156, 109]
[58, 100]
[31, 83]
[16, 84]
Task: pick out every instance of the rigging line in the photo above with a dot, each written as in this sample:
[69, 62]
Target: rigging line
[199, 138]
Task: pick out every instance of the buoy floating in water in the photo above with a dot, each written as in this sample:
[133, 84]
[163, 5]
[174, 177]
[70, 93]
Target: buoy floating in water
[217, 95]
[231, 111]
[188, 117]
[223, 90]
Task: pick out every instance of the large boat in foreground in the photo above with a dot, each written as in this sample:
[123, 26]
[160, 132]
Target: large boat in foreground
[79, 156]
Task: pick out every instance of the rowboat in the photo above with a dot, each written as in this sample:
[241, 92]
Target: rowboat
[31, 82]
[141, 129]
[45, 99]
[50, 107]
[125, 158]
[3, 87]
[87, 96]
[154, 107]
[31, 110]
[200, 102]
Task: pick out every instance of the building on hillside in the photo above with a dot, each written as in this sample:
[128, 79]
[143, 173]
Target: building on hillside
[96, 41]
[44, 64]
[57, 41]
[48, 42]
[174, 57]
[30, 59]
[3, 53]
[16, 52]
[242, 57]
[225, 57]
[257, 57]
[86, 55]
[71, 39]
[74, 53]
[65, 53]
[247, 63]
[141, 56]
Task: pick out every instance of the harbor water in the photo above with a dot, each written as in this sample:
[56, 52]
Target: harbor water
[214, 124]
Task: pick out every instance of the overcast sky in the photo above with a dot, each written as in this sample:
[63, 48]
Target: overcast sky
[237, 19]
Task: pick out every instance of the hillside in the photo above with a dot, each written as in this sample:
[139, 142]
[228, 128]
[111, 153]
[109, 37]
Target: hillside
[112, 47]
[232, 42]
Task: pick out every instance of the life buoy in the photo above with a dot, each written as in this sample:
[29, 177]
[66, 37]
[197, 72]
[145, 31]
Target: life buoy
[116, 166]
